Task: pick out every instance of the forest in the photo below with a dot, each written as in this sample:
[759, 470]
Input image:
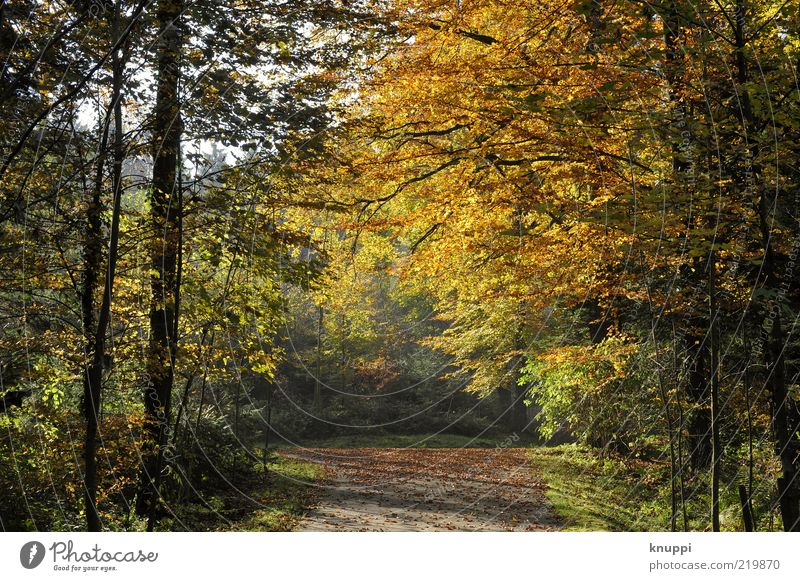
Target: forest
[543, 250]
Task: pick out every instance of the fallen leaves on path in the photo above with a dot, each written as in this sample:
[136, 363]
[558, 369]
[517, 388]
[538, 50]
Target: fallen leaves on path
[379, 489]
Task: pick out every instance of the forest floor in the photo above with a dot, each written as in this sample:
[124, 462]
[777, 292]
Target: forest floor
[427, 489]
[255, 502]
[589, 492]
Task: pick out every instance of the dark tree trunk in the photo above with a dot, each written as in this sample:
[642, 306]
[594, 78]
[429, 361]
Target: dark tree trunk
[92, 263]
[95, 329]
[785, 427]
[698, 416]
[784, 420]
[716, 445]
[317, 406]
[698, 437]
[662, 388]
[520, 410]
[165, 250]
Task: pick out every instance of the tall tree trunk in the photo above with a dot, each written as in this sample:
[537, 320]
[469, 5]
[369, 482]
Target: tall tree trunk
[237, 412]
[787, 444]
[665, 397]
[747, 380]
[95, 330]
[317, 405]
[716, 450]
[697, 392]
[268, 427]
[699, 417]
[681, 423]
[165, 226]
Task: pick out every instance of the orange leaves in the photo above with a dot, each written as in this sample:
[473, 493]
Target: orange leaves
[481, 129]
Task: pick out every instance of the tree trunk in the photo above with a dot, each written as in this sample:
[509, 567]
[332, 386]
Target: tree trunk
[681, 423]
[268, 427]
[665, 397]
[95, 331]
[317, 405]
[165, 225]
[786, 443]
[785, 426]
[716, 450]
[746, 377]
[699, 421]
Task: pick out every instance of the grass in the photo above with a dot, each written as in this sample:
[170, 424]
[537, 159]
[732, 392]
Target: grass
[589, 493]
[409, 441]
[592, 493]
[264, 504]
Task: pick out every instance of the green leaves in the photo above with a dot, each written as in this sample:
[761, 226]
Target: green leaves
[534, 102]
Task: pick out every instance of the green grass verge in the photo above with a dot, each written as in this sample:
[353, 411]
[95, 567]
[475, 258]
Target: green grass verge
[589, 493]
[275, 502]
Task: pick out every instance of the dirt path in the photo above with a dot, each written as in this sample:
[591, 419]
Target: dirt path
[443, 489]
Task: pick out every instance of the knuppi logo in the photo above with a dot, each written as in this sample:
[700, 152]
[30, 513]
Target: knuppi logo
[31, 554]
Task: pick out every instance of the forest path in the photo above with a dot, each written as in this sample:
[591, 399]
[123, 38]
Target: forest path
[418, 489]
